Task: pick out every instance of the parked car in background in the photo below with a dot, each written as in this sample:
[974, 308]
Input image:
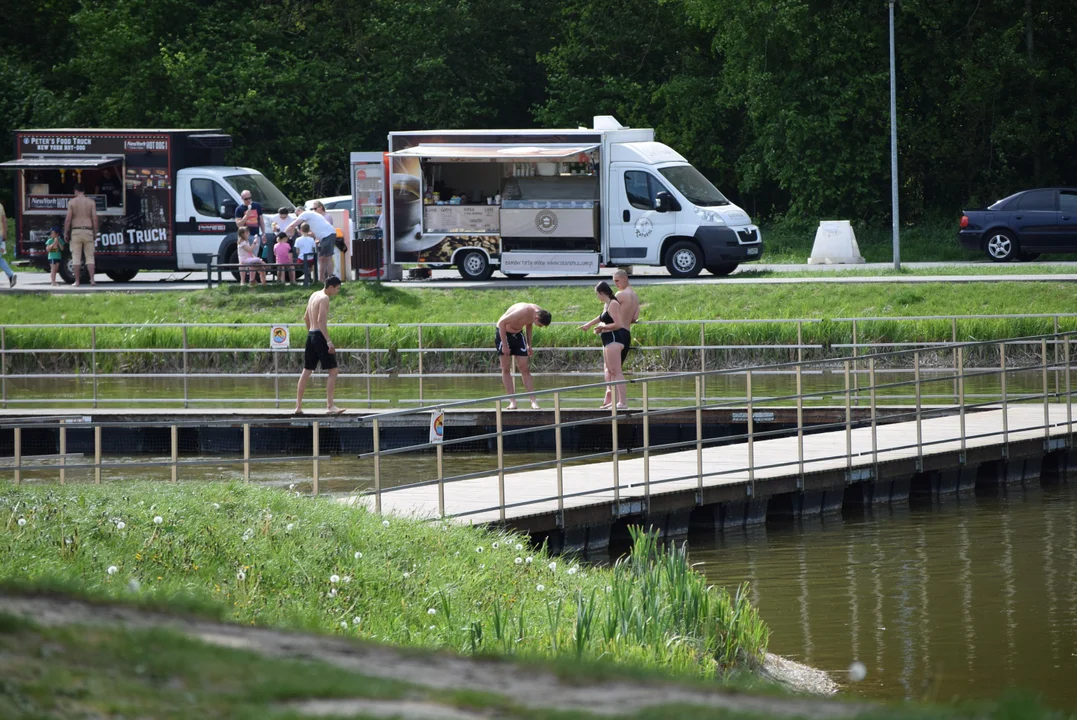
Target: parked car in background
[337, 202]
[1022, 226]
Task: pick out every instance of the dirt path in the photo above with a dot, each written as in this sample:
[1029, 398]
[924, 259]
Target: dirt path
[436, 670]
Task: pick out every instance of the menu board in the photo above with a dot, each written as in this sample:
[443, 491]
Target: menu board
[461, 218]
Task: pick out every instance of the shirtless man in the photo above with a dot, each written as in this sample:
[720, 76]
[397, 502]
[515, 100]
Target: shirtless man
[319, 347]
[513, 339]
[80, 229]
[629, 302]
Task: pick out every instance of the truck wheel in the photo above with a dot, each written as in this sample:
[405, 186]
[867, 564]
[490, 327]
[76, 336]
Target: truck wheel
[1001, 246]
[233, 259]
[473, 265]
[121, 276]
[683, 260]
[67, 272]
[722, 269]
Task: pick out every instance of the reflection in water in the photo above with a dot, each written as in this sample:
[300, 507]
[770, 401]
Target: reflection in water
[965, 599]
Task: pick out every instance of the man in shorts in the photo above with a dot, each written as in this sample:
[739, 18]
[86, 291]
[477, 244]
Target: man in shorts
[629, 302]
[80, 229]
[325, 234]
[319, 349]
[513, 339]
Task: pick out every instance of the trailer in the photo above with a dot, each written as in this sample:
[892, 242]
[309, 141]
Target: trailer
[165, 199]
[556, 202]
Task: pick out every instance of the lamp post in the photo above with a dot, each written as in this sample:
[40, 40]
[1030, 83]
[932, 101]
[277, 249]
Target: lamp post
[893, 144]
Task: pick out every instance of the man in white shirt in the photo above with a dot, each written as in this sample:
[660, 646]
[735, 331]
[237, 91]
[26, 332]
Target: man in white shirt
[325, 233]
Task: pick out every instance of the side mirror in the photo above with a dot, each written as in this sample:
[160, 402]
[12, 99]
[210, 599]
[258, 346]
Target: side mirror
[228, 209]
[664, 202]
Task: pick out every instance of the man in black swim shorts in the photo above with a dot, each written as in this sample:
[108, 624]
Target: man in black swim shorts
[514, 331]
[319, 349]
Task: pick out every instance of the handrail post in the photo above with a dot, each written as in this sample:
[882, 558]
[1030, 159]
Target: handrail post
[97, 454]
[316, 442]
[800, 427]
[614, 450]
[1069, 396]
[18, 455]
[800, 341]
[3, 365]
[247, 452]
[186, 352]
[953, 336]
[699, 435]
[441, 481]
[560, 459]
[276, 379]
[703, 357]
[646, 451]
[874, 418]
[848, 422]
[1046, 407]
[63, 451]
[961, 397]
[369, 366]
[420, 354]
[500, 460]
[1005, 401]
[175, 453]
[856, 366]
[93, 362]
[751, 432]
[377, 467]
[919, 413]
[1054, 341]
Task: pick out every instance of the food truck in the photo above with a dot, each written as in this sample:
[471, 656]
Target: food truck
[555, 201]
[165, 199]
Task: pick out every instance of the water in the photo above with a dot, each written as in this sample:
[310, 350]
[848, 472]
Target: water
[958, 600]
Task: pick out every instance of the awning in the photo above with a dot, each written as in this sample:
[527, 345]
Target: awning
[552, 151]
[52, 162]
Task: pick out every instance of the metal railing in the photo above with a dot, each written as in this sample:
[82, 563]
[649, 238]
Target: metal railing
[994, 391]
[375, 360]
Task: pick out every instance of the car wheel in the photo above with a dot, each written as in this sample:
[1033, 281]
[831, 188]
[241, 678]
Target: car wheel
[1001, 246]
[473, 265]
[121, 276]
[722, 269]
[1028, 256]
[683, 261]
[233, 259]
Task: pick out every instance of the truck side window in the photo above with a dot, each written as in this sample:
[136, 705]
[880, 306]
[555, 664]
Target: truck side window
[638, 188]
[207, 196]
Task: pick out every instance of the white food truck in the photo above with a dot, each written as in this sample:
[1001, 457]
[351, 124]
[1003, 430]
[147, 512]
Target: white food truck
[552, 201]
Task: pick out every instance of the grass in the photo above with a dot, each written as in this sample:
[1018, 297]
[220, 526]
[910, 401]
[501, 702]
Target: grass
[265, 557]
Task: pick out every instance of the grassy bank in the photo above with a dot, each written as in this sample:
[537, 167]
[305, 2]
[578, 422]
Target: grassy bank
[266, 557]
[395, 304]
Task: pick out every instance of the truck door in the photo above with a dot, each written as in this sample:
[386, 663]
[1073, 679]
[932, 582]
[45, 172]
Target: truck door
[200, 227]
[636, 228]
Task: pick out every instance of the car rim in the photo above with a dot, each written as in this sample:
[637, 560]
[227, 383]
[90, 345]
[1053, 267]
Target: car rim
[685, 260]
[999, 246]
[474, 264]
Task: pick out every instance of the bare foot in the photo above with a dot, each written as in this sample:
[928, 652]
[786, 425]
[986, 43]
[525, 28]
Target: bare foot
[605, 406]
[512, 405]
[297, 411]
[622, 406]
[535, 405]
[334, 410]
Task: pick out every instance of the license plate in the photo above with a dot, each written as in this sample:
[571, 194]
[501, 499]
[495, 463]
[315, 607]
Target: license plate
[753, 251]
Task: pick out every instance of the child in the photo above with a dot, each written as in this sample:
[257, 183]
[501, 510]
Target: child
[55, 248]
[283, 254]
[306, 249]
[245, 248]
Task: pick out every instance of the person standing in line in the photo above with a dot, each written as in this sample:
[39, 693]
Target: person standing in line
[3, 248]
[325, 233]
[282, 252]
[319, 348]
[80, 229]
[513, 339]
[615, 341]
[305, 251]
[55, 248]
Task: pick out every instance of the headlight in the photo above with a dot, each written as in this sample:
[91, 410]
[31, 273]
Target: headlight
[710, 216]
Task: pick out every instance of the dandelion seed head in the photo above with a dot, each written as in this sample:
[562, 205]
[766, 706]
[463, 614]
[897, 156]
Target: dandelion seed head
[333, 592]
[495, 545]
[241, 576]
[216, 506]
[857, 671]
[289, 527]
[157, 519]
[482, 567]
[291, 486]
[528, 559]
[478, 549]
[552, 566]
[22, 522]
[344, 624]
[519, 561]
[406, 574]
[385, 523]
[431, 611]
[112, 570]
[346, 579]
[573, 571]
[334, 579]
[358, 555]
[133, 585]
[432, 627]
[609, 588]
[540, 588]
[121, 525]
[356, 620]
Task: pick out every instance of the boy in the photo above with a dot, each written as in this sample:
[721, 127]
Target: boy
[305, 250]
[319, 349]
[55, 248]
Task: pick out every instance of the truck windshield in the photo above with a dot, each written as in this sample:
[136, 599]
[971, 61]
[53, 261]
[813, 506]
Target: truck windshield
[696, 189]
[262, 191]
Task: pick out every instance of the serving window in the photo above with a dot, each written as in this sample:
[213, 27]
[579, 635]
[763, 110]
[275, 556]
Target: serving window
[47, 183]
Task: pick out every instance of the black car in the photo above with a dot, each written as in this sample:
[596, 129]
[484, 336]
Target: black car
[1024, 225]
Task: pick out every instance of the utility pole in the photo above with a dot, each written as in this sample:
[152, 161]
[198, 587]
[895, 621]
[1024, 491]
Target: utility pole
[893, 144]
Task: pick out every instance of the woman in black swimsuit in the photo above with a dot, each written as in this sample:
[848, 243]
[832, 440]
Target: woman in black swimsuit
[614, 343]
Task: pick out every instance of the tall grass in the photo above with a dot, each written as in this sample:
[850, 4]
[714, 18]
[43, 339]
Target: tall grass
[268, 557]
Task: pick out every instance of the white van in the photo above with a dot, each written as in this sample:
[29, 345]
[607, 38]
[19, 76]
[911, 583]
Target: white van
[557, 201]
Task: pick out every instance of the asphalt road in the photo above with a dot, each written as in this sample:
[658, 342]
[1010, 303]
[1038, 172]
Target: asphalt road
[748, 274]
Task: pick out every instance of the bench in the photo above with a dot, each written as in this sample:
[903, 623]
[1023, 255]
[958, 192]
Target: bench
[309, 269]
